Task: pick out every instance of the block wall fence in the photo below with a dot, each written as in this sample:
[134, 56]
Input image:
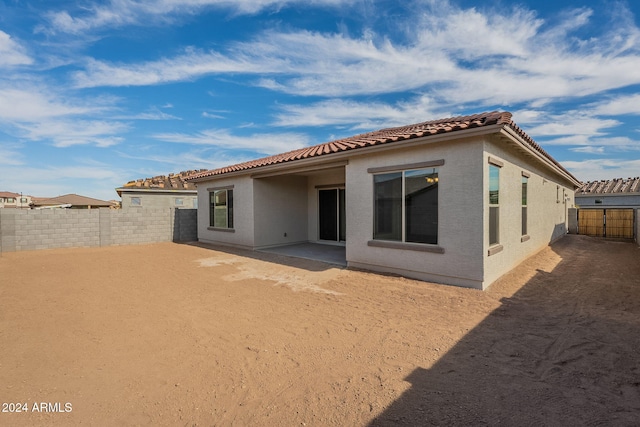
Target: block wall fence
[27, 230]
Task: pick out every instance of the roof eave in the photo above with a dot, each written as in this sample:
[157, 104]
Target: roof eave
[516, 138]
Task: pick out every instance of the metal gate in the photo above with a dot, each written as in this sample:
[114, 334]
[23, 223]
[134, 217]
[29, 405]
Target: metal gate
[617, 223]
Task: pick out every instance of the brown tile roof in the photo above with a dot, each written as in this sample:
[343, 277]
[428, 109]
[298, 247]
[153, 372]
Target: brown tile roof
[611, 186]
[389, 136]
[173, 181]
[71, 199]
[5, 194]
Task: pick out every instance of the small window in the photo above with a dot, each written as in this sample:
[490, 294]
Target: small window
[136, 201]
[179, 202]
[494, 204]
[11, 200]
[24, 200]
[221, 208]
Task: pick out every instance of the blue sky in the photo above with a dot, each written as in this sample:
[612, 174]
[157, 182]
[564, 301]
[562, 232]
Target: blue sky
[95, 94]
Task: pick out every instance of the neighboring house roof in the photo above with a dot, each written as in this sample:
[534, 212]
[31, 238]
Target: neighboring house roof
[71, 199]
[6, 194]
[171, 182]
[501, 119]
[611, 186]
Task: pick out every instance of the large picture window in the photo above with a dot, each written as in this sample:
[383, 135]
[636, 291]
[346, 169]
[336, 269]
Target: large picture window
[406, 206]
[221, 208]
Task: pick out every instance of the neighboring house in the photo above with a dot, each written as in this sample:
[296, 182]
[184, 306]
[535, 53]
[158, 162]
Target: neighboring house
[160, 192]
[459, 201]
[71, 201]
[614, 193]
[14, 200]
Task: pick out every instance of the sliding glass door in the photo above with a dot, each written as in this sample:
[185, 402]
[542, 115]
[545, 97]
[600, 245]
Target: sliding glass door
[331, 214]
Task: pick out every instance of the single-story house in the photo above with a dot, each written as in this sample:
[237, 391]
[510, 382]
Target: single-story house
[459, 201]
[70, 201]
[612, 193]
[163, 191]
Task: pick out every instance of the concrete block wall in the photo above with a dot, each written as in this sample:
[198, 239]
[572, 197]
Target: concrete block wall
[24, 229]
[141, 226]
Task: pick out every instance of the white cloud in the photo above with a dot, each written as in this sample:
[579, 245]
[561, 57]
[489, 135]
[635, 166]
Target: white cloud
[521, 58]
[186, 160]
[209, 115]
[38, 103]
[588, 150]
[152, 114]
[12, 53]
[190, 65]
[360, 115]
[118, 13]
[267, 143]
[10, 156]
[619, 105]
[38, 112]
[597, 169]
[573, 124]
[65, 133]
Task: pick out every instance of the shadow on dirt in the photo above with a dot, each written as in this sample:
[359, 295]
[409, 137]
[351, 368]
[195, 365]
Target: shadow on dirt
[563, 350]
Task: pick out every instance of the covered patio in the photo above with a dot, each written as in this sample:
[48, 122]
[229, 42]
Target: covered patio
[331, 254]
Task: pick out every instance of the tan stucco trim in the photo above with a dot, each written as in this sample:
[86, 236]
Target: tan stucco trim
[406, 246]
[320, 187]
[496, 162]
[494, 250]
[224, 187]
[420, 165]
[226, 230]
[293, 170]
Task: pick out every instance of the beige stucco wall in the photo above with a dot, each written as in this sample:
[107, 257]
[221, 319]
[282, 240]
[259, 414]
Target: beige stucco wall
[243, 204]
[460, 226]
[547, 209]
[331, 178]
[280, 205]
[159, 200]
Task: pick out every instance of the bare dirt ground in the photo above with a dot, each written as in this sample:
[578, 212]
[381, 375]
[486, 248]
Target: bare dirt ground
[171, 334]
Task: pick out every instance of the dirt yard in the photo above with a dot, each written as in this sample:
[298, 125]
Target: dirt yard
[185, 335]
